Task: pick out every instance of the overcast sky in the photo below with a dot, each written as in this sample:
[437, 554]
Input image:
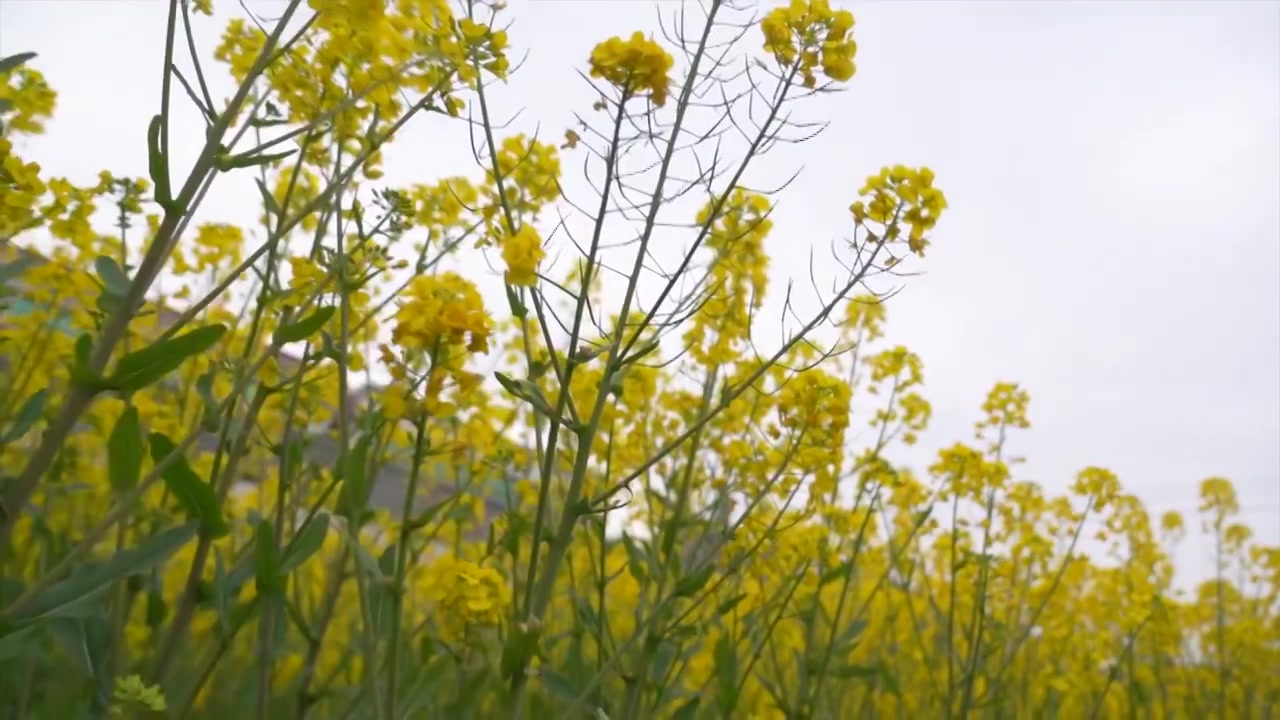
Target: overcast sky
[1113, 172]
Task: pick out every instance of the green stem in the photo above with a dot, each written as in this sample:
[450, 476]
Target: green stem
[403, 562]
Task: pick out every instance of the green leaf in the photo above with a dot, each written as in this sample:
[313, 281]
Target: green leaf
[688, 711]
[157, 608]
[527, 391]
[17, 642]
[30, 413]
[195, 496]
[83, 349]
[363, 558]
[637, 560]
[836, 573]
[726, 667]
[888, 682]
[267, 122]
[268, 200]
[243, 160]
[382, 600]
[80, 372]
[855, 671]
[142, 367]
[355, 490]
[13, 62]
[537, 369]
[124, 451]
[638, 354]
[112, 275]
[72, 597]
[158, 164]
[521, 645]
[849, 637]
[558, 685]
[83, 640]
[306, 543]
[429, 514]
[689, 585]
[727, 606]
[220, 591]
[300, 622]
[304, 328]
[266, 559]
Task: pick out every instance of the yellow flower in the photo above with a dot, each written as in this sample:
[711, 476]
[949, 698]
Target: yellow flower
[31, 101]
[466, 595]
[442, 310]
[811, 33]
[901, 194]
[633, 66]
[22, 190]
[522, 252]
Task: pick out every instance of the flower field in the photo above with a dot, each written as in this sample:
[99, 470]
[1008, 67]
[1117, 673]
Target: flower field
[333, 476]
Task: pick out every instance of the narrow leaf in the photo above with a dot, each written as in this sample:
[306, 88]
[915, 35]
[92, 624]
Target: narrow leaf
[244, 160]
[124, 451]
[355, 490]
[195, 496]
[304, 328]
[142, 367]
[112, 276]
[65, 598]
[13, 62]
[30, 413]
[838, 572]
[307, 543]
[18, 641]
[70, 634]
[81, 374]
[266, 559]
[363, 558]
[688, 711]
[689, 585]
[268, 199]
[855, 671]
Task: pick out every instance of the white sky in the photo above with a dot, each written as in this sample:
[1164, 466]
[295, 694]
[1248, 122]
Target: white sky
[1113, 171]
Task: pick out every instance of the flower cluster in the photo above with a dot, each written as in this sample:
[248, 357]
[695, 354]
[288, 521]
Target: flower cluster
[215, 244]
[487, 47]
[28, 99]
[22, 188]
[864, 317]
[815, 406]
[634, 66]
[522, 252]
[816, 35]
[738, 277]
[467, 596]
[529, 172]
[1099, 485]
[440, 311]
[441, 206]
[900, 194]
